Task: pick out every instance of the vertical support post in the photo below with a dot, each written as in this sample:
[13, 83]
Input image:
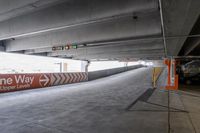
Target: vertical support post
[86, 69]
[61, 67]
[168, 63]
[169, 70]
[172, 73]
[86, 66]
[126, 65]
[154, 80]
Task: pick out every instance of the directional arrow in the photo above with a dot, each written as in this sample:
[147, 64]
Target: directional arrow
[53, 79]
[44, 80]
[62, 78]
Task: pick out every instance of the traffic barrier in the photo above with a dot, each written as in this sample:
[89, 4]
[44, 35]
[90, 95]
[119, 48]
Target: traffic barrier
[16, 82]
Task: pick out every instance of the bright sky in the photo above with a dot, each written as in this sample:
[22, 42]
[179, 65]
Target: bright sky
[12, 63]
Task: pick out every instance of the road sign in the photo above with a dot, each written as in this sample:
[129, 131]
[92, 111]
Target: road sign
[15, 82]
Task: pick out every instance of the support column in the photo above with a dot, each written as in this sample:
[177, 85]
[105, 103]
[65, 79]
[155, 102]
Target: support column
[86, 66]
[2, 46]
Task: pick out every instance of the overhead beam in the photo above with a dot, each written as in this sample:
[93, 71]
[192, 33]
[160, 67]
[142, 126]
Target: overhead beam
[192, 43]
[38, 50]
[110, 49]
[135, 58]
[118, 45]
[110, 54]
[14, 8]
[71, 13]
[191, 46]
[179, 17]
[9, 5]
[146, 25]
[116, 56]
[39, 54]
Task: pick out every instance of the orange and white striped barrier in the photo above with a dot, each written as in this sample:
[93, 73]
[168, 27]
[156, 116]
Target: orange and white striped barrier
[172, 77]
[16, 82]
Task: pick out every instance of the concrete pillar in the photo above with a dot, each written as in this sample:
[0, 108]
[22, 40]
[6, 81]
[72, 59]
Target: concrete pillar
[60, 65]
[84, 66]
[2, 46]
[126, 65]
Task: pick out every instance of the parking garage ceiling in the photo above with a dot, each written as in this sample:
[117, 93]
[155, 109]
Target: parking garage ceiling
[98, 29]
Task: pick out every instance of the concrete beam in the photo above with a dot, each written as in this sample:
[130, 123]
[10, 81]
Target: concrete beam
[117, 45]
[37, 51]
[14, 8]
[73, 12]
[110, 49]
[18, 52]
[39, 54]
[179, 18]
[117, 56]
[191, 46]
[111, 54]
[136, 59]
[146, 25]
[9, 5]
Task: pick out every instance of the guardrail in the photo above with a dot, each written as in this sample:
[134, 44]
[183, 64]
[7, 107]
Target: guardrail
[108, 72]
[17, 82]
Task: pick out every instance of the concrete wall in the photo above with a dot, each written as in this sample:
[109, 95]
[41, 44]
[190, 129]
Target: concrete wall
[108, 72]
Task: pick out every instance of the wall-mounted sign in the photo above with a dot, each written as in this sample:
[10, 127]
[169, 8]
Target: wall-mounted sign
[15, 82]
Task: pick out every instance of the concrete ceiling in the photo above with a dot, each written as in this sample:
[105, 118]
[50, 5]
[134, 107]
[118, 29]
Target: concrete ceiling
[14, 8]
[191, 46]
[102, 29]
[179, 18]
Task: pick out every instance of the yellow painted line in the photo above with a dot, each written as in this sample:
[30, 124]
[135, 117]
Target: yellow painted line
[155, 75]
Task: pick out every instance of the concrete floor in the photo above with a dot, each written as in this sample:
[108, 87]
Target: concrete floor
[118, 104]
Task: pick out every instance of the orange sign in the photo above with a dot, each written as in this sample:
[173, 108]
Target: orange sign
[169, 85]
[14, 82]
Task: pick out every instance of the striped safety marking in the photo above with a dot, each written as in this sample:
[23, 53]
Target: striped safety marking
[66, 78]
